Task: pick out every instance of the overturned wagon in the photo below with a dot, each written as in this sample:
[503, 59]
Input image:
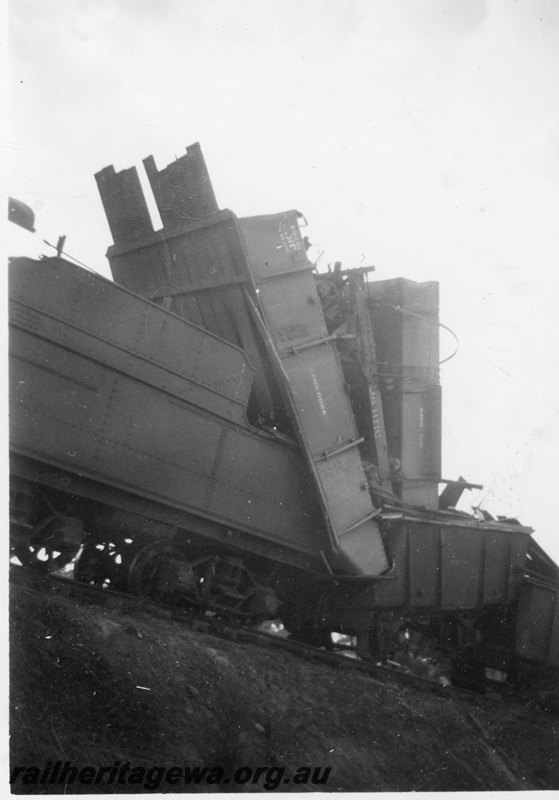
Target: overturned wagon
[230, 431]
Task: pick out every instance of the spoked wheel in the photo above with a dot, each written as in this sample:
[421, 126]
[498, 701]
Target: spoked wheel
[160, 571]
[220, 584]
[53, 544]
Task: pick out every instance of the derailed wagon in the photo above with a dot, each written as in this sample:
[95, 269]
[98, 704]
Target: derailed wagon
[226, 429]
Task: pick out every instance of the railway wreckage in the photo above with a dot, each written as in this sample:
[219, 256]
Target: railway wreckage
[226, 429]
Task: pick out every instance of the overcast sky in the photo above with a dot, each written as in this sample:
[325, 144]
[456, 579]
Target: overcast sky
[421, 136]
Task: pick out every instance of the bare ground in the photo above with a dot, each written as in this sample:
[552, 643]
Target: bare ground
[96, 686]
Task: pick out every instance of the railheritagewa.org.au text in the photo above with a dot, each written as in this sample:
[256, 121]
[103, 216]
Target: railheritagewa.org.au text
[154, 778]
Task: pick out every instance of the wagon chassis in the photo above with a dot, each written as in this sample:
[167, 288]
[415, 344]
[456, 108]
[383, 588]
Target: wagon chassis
[345, 657]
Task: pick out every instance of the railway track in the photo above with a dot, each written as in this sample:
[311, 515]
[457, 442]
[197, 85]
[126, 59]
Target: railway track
[342, 658]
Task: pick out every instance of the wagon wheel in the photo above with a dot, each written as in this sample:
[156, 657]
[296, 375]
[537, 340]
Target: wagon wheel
[160, 571]
[53, 544]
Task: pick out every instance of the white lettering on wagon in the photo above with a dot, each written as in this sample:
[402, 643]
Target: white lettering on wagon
[319, 396]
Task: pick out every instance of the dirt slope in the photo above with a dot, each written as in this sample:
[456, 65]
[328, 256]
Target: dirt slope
[96, 686]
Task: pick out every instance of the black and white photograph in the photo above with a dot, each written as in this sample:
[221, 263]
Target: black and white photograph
[282, 430]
